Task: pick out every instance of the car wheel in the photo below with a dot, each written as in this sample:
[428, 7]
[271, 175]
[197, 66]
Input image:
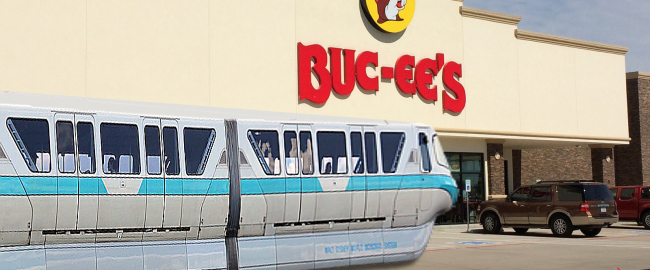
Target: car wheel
[521, 230]
[491, 223]
[561, 226]
[590, 232]
[646, 220]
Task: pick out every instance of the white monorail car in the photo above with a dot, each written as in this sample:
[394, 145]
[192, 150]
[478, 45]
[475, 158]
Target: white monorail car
[96, 184]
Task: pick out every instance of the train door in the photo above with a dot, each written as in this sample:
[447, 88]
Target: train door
[292, 172]
[373, 187]
[171, 169]
[66, 170]
[154, 181]
[87, 148]
[357, 183]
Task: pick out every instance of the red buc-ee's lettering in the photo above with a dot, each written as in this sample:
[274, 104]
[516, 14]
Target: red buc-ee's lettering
[410, 78]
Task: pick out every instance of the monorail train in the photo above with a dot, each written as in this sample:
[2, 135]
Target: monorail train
[97, 184]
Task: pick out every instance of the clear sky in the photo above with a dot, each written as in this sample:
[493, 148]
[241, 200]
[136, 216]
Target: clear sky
[616, 22]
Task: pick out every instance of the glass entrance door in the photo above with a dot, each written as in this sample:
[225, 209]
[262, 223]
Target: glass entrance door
[466, 166]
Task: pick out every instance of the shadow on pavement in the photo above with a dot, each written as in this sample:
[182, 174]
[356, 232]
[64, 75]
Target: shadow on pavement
[576, 234]
[381, 266]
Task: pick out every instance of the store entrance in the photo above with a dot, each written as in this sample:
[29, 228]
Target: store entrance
[466, 166]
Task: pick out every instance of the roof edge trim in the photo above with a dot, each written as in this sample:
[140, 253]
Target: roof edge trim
[570, 42]
[492, 16]
[490, 134]
[637, 76]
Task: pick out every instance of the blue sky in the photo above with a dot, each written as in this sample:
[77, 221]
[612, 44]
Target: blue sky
[617, 22]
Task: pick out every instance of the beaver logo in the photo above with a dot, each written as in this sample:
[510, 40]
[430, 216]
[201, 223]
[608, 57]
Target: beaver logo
[390, 16]
[389, 10]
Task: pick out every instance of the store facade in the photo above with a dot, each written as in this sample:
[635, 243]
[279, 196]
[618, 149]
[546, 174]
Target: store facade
[490, 89]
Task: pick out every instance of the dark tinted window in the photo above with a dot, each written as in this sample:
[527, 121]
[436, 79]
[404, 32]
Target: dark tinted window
[391, 150]
[198, 145]
[152, 147]
[33, 140]
[357, 152]
[65, 147]
[424, 152]
[306, 153]
[570, 193]
[266, 147]
[541, 194]
[627, 193]
[371, 152]
[120, 149]
[597, 193]
[332, 153]
[170, 139]
[86, 147]
[291, 152]
[521, 194]
[645, 193]
[613, 191]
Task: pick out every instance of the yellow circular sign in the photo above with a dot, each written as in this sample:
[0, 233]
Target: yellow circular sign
[390, 16]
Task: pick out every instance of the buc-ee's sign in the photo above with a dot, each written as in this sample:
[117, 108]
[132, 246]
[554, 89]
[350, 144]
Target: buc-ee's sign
[410, 77]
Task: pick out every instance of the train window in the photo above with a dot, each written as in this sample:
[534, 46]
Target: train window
[425, 162]
[371, 152]
[170, 140]
[391, 150]
[86, 147]
[65, 147]
[357, 152]
[198, 145]
[332, 153]
[306, 153]
[266, 147]
[152, 147]
[291, 152]
[120, 148]
[440, 153]
[32, 138]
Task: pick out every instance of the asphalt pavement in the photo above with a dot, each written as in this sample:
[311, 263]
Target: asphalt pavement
[624, 246]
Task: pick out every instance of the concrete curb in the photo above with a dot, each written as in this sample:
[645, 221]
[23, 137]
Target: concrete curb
[457, 227]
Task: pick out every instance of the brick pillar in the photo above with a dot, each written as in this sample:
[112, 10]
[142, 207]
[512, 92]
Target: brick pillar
[516, 169]
[496, 167]
[603, 165]
[633, 160]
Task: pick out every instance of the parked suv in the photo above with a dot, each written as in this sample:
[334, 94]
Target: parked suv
[562, 206]
[633, 203]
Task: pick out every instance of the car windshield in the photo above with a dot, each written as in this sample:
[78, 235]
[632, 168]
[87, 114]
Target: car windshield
[597, 193]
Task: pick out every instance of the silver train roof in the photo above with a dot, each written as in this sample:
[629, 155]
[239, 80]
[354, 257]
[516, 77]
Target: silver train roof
[94, 105]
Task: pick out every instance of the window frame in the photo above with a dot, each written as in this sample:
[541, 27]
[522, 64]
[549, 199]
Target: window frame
[93, 158]
[398, 154]
[300, 154]
[423, 135]
[632, 196]
[176, 153]
[298, 161]
[522, 187]
[258, 152]
[373, 135]
[550, 194]
[139, 147]
[207, 151]
[362, 156]
[74, 144]
[26, 156]
[345, 149]
[438, 151]
[146, 153]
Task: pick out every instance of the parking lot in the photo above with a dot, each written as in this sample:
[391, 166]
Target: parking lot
[624, 246]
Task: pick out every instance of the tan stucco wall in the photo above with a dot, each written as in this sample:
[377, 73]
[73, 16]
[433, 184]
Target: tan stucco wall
[244, 55]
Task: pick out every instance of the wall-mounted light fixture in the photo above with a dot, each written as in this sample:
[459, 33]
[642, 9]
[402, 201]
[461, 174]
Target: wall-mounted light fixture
[608, 159]
[497, 156]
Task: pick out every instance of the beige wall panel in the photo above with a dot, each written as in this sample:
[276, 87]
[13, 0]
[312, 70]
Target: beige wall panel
[547, 87]
[253, 55]
[491, 76]
[436, 28]
[149, 51]
[43, 46]
[601, 93]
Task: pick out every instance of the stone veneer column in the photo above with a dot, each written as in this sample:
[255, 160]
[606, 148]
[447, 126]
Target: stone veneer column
[633, 160]
[496, 167]
[603, 165]
[516, 169]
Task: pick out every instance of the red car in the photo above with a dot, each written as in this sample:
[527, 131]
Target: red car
[633, 203]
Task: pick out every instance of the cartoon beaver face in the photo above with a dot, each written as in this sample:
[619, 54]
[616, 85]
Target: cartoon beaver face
[389, 10]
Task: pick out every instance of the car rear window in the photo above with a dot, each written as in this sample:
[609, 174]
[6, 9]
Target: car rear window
[597, 193]
[645, 193]
[570, 193]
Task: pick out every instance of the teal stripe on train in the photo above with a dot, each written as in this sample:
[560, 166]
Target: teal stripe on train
[159, 186]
